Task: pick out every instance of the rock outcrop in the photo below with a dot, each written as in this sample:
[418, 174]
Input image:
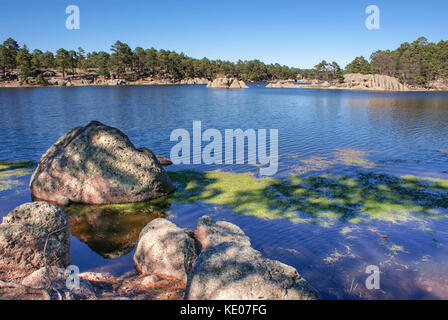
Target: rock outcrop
[229, 269]
[373, 82]
[195, 81]
[209, 233]
[227, 83]
[32, 236]
[165, 249]
[98, 164]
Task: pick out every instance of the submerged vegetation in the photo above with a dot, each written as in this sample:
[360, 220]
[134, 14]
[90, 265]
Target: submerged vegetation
[325, 200]
[320, 199]
[10, 171]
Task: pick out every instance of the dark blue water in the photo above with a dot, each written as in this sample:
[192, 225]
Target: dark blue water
[398, 133]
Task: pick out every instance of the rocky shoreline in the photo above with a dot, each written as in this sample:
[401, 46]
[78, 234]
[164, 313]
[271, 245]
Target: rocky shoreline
[213, 262]
[357, 82]
[98, 164]
[360, 82]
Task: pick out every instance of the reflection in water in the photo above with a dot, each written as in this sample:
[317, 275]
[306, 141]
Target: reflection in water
[111, 230]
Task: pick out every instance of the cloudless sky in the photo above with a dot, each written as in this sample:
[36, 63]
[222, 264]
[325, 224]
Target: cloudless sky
[291, 32]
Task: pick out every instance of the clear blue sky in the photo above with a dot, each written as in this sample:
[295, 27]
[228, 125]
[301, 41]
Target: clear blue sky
[292, 32]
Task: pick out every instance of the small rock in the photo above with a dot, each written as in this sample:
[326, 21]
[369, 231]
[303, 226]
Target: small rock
[42, 278]
[164, 161]
[209, 233]
[150, 280]
[164, 249]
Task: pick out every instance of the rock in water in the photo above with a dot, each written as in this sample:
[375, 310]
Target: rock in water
[230, 271]
[227, 83]
[164, 161]
[209, 233]
[165, 249]
[32, 236]
[97, 164]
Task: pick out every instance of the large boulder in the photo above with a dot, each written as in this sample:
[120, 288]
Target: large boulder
[165, 249]
[209, 233]
[97, 164]
[32, 236]
[230, 271]
[227, 83]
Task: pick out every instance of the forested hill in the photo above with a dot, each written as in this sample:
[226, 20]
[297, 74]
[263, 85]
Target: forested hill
[415, 63]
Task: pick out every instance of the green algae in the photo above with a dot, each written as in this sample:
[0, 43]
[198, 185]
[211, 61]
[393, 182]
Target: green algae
[324, 200]
[21, 164]
[336, 255]
[10, 171]
[348, 157]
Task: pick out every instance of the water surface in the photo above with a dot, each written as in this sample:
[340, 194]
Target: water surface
[322, 133]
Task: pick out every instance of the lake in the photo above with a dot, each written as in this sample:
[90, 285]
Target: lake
[362, 178]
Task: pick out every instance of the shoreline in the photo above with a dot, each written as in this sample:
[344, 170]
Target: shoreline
[156, 83]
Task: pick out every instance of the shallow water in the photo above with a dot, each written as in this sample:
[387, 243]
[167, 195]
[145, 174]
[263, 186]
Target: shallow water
[321, 133]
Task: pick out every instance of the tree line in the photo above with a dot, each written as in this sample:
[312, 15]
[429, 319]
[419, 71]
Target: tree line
[415, 63]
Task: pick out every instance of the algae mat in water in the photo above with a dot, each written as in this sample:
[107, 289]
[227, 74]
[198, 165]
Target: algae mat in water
[10, 171]
[320, 199]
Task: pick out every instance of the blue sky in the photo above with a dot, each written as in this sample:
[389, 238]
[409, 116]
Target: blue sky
[292, 32]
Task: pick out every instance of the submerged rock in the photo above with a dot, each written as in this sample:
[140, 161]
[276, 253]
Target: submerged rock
[97, 164]
[227, 83]
[230, 271]
[209, 233]
[32, 236]
[165, 249]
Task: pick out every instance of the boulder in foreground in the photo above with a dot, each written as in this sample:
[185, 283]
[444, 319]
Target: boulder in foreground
[32, 236]
[98, 164]
[165, 249]
[231, 271]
